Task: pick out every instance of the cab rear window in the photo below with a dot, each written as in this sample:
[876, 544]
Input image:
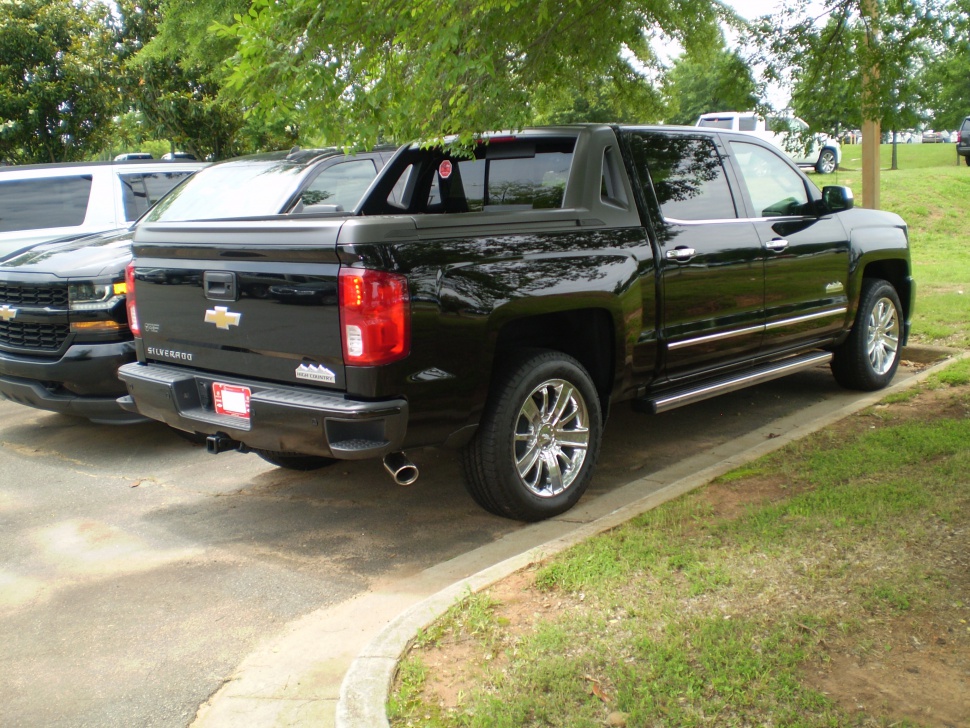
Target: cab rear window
[504, 176]
[34, 204]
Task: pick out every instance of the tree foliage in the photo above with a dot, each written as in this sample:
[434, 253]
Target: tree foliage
[713, 79]
[57, 96]
[827, 64]
[360, 72]
[174, 78]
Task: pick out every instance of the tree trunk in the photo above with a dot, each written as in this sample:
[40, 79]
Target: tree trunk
[894, 165]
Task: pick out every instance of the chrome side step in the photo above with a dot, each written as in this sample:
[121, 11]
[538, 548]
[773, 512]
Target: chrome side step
[688, 395]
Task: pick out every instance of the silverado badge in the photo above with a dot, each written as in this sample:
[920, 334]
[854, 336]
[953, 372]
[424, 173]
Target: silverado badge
[7, 313]
[316, 373]
[222, 317]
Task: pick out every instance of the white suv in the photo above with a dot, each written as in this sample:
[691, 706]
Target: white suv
[40, 202]
[824, 154]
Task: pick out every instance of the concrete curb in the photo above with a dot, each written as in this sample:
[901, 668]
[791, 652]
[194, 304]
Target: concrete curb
[363, 694]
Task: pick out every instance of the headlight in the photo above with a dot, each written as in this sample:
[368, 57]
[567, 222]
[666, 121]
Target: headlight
[89, 296]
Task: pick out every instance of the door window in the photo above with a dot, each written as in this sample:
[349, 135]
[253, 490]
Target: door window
[687, 175]
[141, 191]
[341, 185]
[775, 189]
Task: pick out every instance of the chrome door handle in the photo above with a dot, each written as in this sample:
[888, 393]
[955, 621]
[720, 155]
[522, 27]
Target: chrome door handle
[680, 254]
[777, 245]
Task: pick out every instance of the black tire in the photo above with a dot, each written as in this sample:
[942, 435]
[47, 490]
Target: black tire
[868, 359]
[827, 161]
[554, 473]
[966, 160]
[294, 460]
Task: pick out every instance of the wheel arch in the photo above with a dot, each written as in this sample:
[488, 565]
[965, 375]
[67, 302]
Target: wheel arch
[586, 334]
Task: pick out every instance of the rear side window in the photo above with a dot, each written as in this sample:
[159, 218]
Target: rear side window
[686, 175]
[34, 204]
[966, 124]
[747, 123]
[141, 191]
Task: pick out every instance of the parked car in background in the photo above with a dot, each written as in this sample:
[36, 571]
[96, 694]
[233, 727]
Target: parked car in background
[129, 156]
[963, 141]
[789, 133]
[932, 137]
[40, 202]
[179, 155]
[63, 326]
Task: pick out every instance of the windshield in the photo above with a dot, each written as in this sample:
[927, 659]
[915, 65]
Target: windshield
[235, 189]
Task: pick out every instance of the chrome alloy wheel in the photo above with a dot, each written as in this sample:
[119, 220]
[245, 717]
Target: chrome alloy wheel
[883, 336]
[551, 438]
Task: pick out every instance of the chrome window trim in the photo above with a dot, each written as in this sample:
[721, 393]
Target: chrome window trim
[721, 221]
[754, 329]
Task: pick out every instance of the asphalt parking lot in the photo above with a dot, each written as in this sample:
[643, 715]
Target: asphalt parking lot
[138, 572]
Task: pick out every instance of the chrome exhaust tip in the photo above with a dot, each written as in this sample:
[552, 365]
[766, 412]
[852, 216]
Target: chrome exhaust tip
[401, 468]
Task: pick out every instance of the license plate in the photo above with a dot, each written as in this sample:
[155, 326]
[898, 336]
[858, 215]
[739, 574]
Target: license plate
[231, 400]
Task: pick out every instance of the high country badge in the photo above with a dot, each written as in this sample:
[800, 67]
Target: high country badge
[222, 317]
[316, 373]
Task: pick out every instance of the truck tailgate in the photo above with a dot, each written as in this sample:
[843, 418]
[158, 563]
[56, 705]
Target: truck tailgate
[255, 299]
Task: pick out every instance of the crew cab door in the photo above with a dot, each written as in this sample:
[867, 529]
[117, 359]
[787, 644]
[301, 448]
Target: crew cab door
[806, 255]
[711, 260]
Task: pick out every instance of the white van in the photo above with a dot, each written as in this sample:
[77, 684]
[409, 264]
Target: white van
[41, 202]
[823, 154]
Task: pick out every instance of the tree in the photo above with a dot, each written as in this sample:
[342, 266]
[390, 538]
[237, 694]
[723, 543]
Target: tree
[827, 89]
[56, 93]
[712, 80]
[894, 48]
[360, 72]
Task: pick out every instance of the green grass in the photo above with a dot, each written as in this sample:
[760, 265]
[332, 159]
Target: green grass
[929, 191]
[685, 618]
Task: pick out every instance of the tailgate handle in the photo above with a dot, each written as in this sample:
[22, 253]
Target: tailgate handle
[220, 285]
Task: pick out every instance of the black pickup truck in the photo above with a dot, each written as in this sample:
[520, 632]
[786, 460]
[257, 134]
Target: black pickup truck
[502, 304]
[63, 323]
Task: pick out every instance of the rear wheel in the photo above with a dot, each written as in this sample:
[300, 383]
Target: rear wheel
[966, 160]
[868, 359]
[536, 447]
[295, 461]
[827, 161]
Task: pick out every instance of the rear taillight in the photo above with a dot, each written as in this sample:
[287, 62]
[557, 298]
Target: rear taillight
[133, 323]
[375, 316]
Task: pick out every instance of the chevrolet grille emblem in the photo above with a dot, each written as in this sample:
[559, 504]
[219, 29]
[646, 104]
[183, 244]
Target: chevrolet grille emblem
[7, 313]
[222, 317]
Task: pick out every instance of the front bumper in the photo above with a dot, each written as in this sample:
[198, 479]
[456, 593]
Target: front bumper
[282, 418]
[83, 382]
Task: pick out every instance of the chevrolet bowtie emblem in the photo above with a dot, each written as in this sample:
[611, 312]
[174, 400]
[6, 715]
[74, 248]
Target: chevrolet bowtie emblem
[222, 317]
[7, 313]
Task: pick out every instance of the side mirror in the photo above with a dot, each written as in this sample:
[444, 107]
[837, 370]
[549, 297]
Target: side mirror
[836, 198]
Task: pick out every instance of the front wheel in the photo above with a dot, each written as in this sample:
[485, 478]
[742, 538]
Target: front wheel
[827, 161]
[295, 461]
[868, 359]
[534, 453]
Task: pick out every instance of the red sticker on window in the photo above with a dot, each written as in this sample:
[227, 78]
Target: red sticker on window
[444, 169]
